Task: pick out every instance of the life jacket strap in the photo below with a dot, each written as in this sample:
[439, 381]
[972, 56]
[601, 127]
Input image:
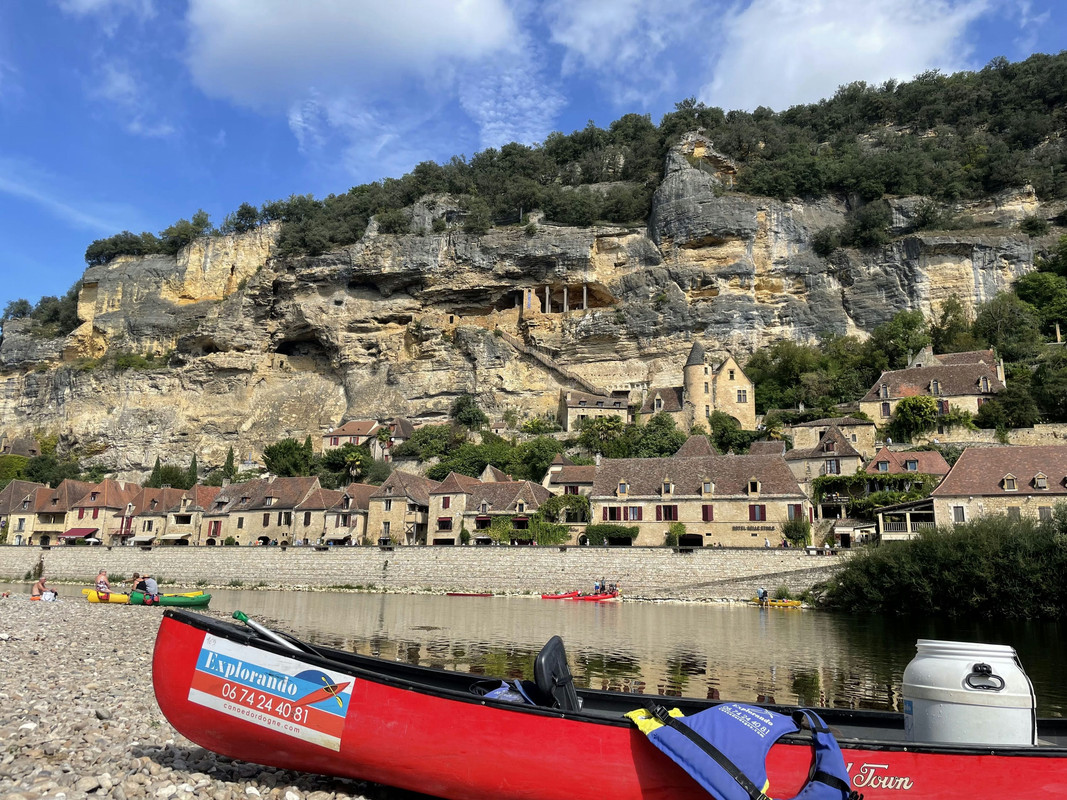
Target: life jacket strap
[664, 717]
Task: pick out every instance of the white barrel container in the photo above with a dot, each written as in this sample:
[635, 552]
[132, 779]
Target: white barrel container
[968, 693]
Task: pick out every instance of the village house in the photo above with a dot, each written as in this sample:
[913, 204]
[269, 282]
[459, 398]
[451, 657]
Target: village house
[565, 477]
[346, 520]
[52, 511]
[313, 516]
[860, 433]
[184, 521]
[360, 432]
[577, 407]
[398, 512]
[144, 520]
[262, 511]
[705, 389]
[892, 462]
[732, 500]
[833, 454]
[461, 503]
[1016, 481]
[955, 380]
[17, 509]
[98, 515]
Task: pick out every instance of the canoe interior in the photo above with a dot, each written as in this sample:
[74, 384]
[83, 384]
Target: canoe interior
[864, 728]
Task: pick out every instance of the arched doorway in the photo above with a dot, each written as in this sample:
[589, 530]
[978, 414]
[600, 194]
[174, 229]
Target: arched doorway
[264, 540]
[210, 543]
[46, 540]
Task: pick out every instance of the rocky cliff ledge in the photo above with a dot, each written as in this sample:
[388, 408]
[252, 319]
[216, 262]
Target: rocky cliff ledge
[263, 347]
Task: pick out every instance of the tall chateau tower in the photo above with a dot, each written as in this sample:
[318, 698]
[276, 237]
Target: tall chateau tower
[724, 388]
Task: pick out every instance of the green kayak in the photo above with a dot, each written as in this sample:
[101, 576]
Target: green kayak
[197, 601]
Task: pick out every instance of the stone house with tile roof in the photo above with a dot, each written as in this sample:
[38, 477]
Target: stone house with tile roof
[463, 503]
[260, 511]
[101, 511]
[732, 500]
[313, 514]
[860, 432]
[185, 518]
[1017, 481]
[833, 454]
[346, 521]
[705, 388]
[17, 505]
[360, 432]
[891, 462]
[52, 511]
[145, 520]
[565, 477]
[956, 380]
[576, 407]
[398, 512]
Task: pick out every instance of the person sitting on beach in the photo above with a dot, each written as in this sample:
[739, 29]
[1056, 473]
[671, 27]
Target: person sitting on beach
[138, 583]
[102, 583]
[39, 588]
[151, 590]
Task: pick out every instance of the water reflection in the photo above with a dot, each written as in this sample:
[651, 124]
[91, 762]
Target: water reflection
[732, 652]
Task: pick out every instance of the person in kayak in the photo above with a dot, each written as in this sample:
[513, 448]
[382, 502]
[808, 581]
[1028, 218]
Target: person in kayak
[151, 590]
[103, 585]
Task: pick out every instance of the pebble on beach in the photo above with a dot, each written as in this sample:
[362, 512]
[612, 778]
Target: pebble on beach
[79, 719]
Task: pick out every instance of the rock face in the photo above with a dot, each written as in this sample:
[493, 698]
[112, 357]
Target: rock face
[262, 347]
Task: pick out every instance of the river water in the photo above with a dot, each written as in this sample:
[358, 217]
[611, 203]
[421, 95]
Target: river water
[734, 652]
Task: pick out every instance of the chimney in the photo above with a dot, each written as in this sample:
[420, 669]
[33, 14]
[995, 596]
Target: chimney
[598, 459]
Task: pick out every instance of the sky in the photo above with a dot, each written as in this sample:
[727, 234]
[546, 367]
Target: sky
[132, 114]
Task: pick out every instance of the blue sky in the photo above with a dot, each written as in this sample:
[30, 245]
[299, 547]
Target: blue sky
[131, 114]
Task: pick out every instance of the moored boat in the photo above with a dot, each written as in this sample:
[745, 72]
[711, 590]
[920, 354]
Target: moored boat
[561, 596]
[273, 700]
[93, 596]
[777, 603]
[172, 600]
[596, 598]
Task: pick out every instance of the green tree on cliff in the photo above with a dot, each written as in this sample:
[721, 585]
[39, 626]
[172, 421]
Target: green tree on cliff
[229, 469]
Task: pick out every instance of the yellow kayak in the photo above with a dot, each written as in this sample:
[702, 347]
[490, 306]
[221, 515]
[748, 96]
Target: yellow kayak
[94, 596]
[778, 603]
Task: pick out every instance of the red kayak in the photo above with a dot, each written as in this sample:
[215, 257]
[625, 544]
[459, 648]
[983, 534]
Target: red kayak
[564, 596]
[252, 694]
[596, 598]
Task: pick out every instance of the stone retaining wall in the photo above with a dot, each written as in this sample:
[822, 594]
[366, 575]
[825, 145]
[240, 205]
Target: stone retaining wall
[641, 572]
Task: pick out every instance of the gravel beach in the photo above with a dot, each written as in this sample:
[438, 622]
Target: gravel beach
[79, 720]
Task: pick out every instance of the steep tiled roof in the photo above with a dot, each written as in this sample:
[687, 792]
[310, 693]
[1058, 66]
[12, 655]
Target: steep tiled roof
[574, 399]
[108, 494]
[320, 499]
[455, 483]
[13, 495]
[841, 422]
[355, 427]
[404, 484]
[562, 459]
[730, 474]
[402, 428]
[156, 502]
[671, 396]
[696, 446]
[832, 444]
[359, 493]
[64, 496]
[927, 358]
[768, 448]
[284, 493]
[955, 381]
[981, 471]
[201, 497]
[503, 497]
[573, 474]
[696, 355]
[930, 462]
[491, 473]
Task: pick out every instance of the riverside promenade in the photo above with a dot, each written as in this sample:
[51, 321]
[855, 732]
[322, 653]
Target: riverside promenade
[651, 573]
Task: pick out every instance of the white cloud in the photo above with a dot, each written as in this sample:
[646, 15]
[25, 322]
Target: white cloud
[780, 53]
[26, 182]
[631, 46]
[109, 13]
[117, 85]
[268, 53]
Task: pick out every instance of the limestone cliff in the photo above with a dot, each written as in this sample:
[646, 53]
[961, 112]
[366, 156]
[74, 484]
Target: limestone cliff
[261, 347]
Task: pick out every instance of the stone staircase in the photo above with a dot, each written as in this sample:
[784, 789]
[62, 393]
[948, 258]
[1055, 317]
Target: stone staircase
[538, 355]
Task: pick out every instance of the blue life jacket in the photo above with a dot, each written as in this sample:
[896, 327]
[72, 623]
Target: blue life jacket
[725, 749]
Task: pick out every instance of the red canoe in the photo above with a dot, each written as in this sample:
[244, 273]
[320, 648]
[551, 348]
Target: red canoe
[564, 596]
[596, 598]
[238, 693]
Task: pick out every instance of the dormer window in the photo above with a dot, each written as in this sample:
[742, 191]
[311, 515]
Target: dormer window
[885, 391]
[520, 507]
[708, 487]
[581, 402]
[935, 387]
[1040, 481]
[985, 384]
[623, 487]
[484, 508]
[1009, 483]
[753, 486]
[911, 465]
[883, 466]
[268, 501]
[668, 487]
[658, 405]
[93, 496]
[388, 489]
[831, 447]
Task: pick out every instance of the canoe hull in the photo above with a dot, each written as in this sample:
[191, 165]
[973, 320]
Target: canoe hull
[94, 596]
[173, 600]
[563, 596]
[237, 696]
[603, 597]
